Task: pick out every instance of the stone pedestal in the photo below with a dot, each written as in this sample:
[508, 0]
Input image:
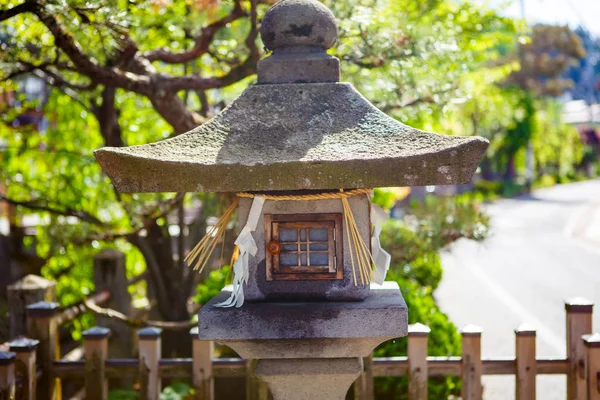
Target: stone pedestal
[307, 350]
[309, 379]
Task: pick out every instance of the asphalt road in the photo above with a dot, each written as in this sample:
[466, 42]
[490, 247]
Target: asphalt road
[542, 249]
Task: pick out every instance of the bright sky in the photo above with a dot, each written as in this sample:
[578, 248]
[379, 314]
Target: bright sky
[571, 12]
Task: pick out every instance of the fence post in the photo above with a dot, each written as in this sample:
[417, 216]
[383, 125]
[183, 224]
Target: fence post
[363, 386]
[471, 363]
[110, 273]
[25, 366]
[42, 326]
[417, 362]
[95, 348]
[526, 362]
[7, 375]
[579, 323]
[26, 291]
[202, 375]
[149, 348]
[592, 347]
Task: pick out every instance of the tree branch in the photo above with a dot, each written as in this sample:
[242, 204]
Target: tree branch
[16, 10]
[174, 111]
[88, 65]
[59, 80]
[107, 115]
[40, 205]
[116, 315]
[243, 70]
[389, 107]
[201, 41]
[63, 88]
[161, 211]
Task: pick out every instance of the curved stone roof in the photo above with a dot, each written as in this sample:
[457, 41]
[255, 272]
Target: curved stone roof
[293, 137]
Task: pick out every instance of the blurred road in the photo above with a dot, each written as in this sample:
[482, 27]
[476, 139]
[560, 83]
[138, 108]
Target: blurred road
[542, 249]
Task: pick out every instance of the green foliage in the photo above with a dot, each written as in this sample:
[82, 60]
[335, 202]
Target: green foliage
[384, 198]
[544, 57]
[175, 391]
[444, 340]
[517, 136]
[488, 189]
[212, 285]
[122, 394]
[408, 57]
[414, 243]
[557, 146]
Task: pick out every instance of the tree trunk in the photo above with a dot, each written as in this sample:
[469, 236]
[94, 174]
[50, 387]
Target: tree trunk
[166, 283]
[166, 280]
[487, 171]
[108, 118]
[510, 174]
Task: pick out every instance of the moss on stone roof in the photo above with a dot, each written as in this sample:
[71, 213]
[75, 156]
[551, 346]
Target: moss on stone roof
[291, 137]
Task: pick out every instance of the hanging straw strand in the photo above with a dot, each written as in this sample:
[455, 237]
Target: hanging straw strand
[348, 223]
[200, 254]
[357, 245]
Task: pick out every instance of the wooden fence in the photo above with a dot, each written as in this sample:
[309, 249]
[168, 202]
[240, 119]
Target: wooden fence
[32, 368]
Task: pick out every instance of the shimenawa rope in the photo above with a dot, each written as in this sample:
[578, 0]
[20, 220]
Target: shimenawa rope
[360, 256]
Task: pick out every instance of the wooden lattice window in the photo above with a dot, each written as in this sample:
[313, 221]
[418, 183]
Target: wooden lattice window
[303, 246]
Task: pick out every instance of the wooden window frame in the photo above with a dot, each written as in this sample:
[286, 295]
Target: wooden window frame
[335, 268]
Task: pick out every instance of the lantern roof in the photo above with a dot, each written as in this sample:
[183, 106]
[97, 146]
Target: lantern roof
[299, 128]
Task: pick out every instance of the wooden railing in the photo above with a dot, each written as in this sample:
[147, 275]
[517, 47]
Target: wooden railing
[19, 376]
[33, 368]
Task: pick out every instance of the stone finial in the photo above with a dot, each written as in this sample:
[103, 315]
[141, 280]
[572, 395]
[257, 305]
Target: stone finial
[293, 23]
[298, 32]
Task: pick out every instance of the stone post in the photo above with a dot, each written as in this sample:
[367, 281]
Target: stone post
[26, 291]
[109, 273]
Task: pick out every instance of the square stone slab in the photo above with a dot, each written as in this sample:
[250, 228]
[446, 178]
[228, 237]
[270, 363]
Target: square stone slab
[383, 314]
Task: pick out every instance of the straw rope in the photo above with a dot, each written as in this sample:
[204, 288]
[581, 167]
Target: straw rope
[314, 196]
[360, 256]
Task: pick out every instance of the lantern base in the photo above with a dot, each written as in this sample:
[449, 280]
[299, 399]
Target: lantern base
[309, 379]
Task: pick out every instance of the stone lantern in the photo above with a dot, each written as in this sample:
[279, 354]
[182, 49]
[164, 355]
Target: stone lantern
[301, 150]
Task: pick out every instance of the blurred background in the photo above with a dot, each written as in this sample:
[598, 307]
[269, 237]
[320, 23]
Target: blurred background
[507, 248]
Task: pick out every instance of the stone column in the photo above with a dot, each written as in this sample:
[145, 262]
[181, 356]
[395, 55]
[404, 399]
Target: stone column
[309, 379]
[28, 290]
